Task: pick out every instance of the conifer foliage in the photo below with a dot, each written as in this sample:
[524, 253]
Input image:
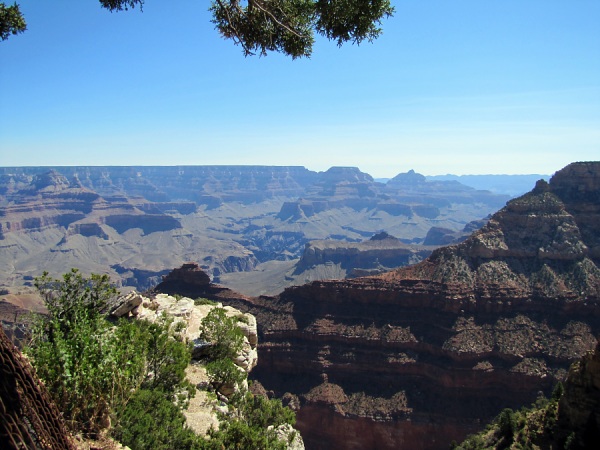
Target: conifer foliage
[91, 366]
[261, 26]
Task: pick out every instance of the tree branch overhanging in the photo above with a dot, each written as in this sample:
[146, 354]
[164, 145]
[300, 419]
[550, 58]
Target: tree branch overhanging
[262, 26]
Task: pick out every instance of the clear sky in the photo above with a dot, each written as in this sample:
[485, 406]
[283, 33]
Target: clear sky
[462, 86]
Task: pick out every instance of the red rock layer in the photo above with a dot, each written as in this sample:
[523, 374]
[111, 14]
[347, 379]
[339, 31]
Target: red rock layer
[423, 355]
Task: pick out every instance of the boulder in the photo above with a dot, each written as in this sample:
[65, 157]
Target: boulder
[126, 304]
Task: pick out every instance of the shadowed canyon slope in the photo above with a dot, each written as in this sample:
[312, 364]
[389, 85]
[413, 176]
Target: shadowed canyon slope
[136, 223]
[423, 355]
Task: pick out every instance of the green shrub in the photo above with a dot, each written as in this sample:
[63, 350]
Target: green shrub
[91, 368]
[204, 301]
[571, 442]
[134, 372]
[242, 318]
[167, 354]
[150, 421]
[223, 372]
[262, 412]
[237, 434]
[73, 350]
[221, 331]
[254, 428]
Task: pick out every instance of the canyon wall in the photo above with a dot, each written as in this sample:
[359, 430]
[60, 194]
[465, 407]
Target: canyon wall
[135, 223]
[423, 355]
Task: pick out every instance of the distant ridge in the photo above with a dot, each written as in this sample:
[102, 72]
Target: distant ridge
[513, 185]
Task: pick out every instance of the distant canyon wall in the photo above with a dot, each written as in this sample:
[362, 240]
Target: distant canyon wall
[135, 223]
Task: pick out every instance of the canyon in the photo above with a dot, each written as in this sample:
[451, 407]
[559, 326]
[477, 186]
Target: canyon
[137, 223]
[413, 357]
[425, 354]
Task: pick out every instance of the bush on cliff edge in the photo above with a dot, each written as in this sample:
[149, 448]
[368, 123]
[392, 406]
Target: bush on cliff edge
[92, 367]
[130, 376]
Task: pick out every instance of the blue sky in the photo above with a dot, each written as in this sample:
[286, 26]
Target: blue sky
[463, 87]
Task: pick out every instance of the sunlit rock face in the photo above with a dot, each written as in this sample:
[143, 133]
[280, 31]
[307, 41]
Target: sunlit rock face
[424, 355]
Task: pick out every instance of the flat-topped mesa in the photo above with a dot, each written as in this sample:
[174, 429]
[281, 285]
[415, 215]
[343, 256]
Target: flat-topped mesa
[376, 255]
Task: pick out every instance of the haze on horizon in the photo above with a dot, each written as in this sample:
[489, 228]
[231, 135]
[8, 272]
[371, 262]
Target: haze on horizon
[466, 87]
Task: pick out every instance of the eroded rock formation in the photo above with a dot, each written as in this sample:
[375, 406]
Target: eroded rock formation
[381, 253]
[137, 222]
[422, 355]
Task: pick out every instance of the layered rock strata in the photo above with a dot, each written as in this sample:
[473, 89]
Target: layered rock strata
[135, 223]
[49, 200]
[423, 355]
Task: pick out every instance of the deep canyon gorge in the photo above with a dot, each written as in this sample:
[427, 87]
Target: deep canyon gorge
[412, 357]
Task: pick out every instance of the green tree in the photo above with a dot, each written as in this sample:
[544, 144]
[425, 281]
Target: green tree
[223, 333]
[11, 21]
[507, 425]
[558, 391]
[261, 26]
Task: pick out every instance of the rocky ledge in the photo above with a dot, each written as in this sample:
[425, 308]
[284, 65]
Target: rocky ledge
[203, 410]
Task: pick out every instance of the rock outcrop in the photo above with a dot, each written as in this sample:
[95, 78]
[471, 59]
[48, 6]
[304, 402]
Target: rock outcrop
[185, 279]
[379, 254]
[203, 411]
